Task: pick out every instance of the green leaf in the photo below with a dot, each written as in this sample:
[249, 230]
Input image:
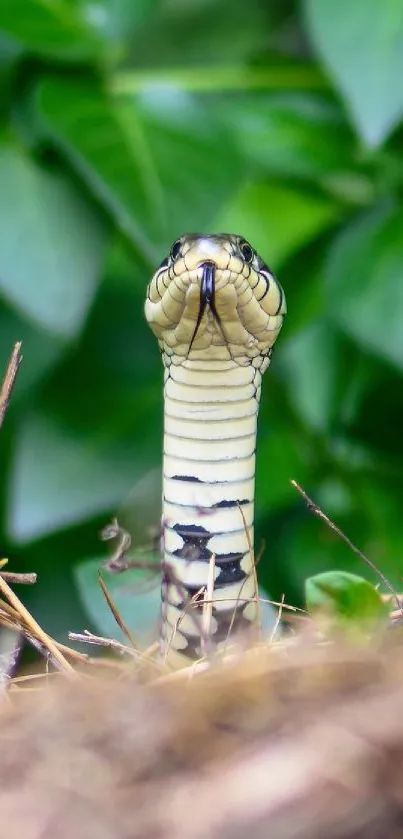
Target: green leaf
[116, 361]
[295, 135]
[52, 245]
[116, 20]
[109, 152]
[52, 28]
[345, 596]
[306, 359]
[192, 154]
[211, 32]
[279, 459]
[363, 282]
[361, 43]
[138, 601]
[145, 159]
[59, 478]
[277, 219]
[10, 52]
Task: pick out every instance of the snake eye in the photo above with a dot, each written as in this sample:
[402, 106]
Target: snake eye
[246, 251]
[176, 249]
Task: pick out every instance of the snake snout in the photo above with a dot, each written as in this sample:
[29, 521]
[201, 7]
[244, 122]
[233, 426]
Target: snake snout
[205, 250]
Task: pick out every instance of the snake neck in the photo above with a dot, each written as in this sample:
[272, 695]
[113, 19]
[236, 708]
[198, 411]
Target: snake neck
[211, 409]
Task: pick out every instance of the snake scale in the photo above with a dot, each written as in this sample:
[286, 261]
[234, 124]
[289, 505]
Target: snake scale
[216, 309]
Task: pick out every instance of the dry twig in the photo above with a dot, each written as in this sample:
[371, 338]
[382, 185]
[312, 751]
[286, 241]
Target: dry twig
[88, 637]
[9, 379]
[320, 514]
[19, 579]
[30, 625]
[115, 612]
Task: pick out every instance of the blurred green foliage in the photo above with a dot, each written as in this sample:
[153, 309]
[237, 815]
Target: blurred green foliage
[340, 602]
[125, 124]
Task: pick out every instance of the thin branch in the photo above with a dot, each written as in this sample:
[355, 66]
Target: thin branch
[88, 637]
[74, 654]
[119, 560]
[115, 612]
[21, 579]
[9, 380]
[44, 651]
[320, 514]
[113, 531]
[14, 577]
[278, 619]
[207, 614]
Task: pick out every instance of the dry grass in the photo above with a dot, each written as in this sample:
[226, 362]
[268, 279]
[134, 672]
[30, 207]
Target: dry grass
[295, 739]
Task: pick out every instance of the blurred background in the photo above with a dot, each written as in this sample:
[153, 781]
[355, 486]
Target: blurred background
[125, 124]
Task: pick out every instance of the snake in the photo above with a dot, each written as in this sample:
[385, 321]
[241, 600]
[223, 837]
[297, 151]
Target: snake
[216, 309]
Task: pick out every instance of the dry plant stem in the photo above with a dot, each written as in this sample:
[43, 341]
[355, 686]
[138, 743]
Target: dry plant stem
[260, 552]
[252, 556]
[278, 620]
[23, 579]
[11, 619]
[115, 612]
[32, 677]
[44, 652]
[13, 577]
[31, 639]
[88, 637]
[118, 561]
[9, 379]
[33, 627]
[40, 647]
[318, 512]
[208, 608]
[68, 651]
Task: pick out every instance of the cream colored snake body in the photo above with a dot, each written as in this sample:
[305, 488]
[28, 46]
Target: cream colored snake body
[216, 310]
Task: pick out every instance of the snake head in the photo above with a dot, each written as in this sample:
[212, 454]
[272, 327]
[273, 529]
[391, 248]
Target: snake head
[214, 291]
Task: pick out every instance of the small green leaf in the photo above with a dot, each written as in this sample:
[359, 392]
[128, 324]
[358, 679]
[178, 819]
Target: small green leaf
[277, 219]
[347, 597]
[52, 245]
[363, 282]
[51, 28]
[137, 599]
[361, 43]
